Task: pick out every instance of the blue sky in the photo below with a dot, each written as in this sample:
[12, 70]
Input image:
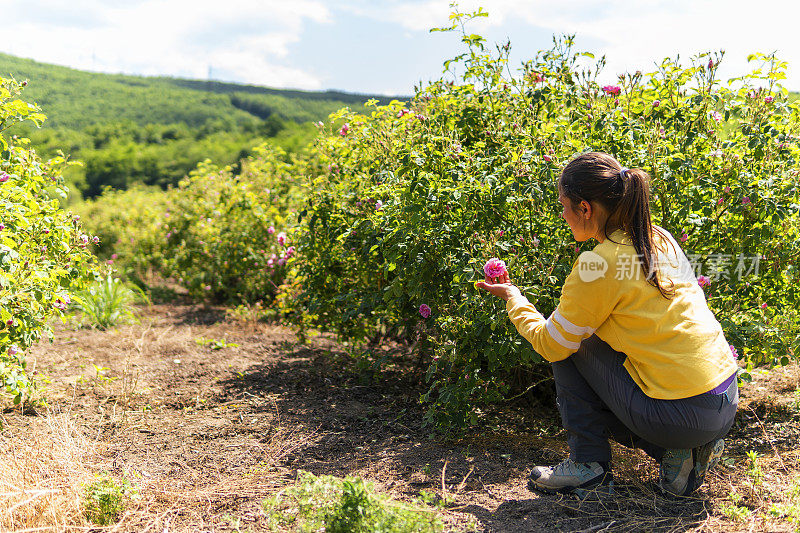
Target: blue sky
[378, 46]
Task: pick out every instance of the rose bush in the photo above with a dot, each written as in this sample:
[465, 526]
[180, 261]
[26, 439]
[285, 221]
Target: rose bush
[225, 236]
[128, 224]
[407, 203]
[44, 252]
[222, 236]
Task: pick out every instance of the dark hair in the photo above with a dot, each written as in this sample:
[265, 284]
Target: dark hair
[625, 194]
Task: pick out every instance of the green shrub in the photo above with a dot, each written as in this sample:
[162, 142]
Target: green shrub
[44, 253]
[105, 498]
[128, 224]
[218, 234]
[349, 505]
[225, 236]
[108, 302]
[417, 197]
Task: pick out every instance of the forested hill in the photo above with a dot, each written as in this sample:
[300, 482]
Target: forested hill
[76, 99]
[154, 130]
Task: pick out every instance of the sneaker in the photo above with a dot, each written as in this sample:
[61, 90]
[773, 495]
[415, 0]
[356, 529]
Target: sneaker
[705, 457]
[676, 474]
[568, 476]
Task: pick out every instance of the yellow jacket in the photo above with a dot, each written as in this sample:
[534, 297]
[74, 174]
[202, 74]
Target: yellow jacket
[675, 347]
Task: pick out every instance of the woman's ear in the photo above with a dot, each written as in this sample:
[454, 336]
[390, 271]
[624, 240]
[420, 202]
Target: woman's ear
[586, 209]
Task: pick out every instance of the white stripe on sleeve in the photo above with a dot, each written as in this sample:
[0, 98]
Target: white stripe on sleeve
[558, 337]
[569, 327]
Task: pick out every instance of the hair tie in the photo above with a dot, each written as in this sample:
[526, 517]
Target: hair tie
[622, 172]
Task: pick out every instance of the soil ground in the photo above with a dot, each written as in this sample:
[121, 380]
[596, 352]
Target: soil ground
[207, 434]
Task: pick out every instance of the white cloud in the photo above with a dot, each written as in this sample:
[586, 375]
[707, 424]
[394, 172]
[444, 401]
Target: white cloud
[251, 40]
[248, 41]
[633, 34]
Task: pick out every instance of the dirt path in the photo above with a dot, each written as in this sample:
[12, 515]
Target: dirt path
[208, 434]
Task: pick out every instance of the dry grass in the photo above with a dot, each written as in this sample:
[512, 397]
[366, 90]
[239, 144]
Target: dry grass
[43, 469]
[207, 502]
[46, 465]
[206, 435]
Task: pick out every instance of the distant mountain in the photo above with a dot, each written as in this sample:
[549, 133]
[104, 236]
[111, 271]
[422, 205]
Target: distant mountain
[75, 99]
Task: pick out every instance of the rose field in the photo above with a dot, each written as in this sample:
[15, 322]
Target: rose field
[295, 342]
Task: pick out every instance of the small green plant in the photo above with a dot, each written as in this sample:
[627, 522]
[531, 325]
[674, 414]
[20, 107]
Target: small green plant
[429, 497]
[789, 510]
[104, 499]
[215, 344]
[100, 377]
[754, 471]
[249, 312]
[108, 302]
[735, 512]
[348, 505]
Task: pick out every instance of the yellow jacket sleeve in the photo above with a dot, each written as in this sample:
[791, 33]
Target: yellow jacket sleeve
[585, 304]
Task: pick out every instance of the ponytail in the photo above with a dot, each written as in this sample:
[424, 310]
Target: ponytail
[625, 194]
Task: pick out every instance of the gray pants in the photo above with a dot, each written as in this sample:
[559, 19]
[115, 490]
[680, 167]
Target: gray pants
[598, 399]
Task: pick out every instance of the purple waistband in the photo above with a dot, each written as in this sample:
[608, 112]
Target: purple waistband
[722, 387]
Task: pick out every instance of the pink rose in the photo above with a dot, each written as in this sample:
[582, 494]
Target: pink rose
[344, 129]
[612, 90]
[745, 200]
[768, 99]
[282, 238]
[656, 103]
[734, 353]
[425, 311]
[684, 238]
[703, 281]
[494, 268]
[3, 177]
[547, 158]
[764, 305]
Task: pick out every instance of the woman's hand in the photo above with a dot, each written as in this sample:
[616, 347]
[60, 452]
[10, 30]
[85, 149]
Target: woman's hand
[500, 286]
